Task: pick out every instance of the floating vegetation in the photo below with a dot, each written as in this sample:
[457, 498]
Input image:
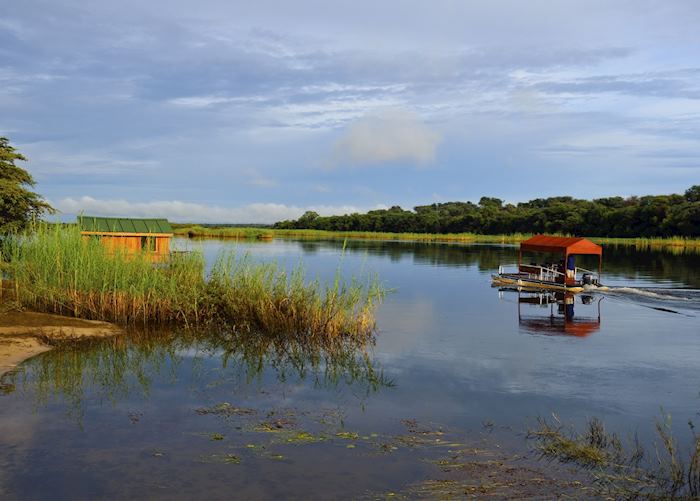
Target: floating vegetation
[625, 470]
[225, 409]
[284, 429]
[304, 437]
[231, 459]
[222, 458]
[347, 435]
[55, 269]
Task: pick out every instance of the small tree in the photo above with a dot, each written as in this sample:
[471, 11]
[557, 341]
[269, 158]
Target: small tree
[307, 219]
[18, 205]
[692, 194]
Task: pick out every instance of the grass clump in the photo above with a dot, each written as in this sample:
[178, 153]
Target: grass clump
[625, 471]
[55, 269]
[265, 297]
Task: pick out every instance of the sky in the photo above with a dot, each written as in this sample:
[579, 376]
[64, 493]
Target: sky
[252, 112]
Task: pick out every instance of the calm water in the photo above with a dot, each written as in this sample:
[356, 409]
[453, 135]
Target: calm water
[168, 415]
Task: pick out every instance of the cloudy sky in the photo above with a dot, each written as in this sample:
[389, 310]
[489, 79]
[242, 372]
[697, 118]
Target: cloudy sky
[230, 111]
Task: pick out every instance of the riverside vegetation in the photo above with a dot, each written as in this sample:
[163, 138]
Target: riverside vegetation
[623, 469]
[649, 216]
[673, 244]
[54, 269]
[648, 222]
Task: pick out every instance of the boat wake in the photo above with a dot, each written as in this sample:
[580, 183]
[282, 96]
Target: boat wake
[662, 299]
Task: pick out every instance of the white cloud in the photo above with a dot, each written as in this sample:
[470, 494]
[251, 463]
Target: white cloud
[207, 101]
[327, 112]
[185, 212]
[388, 135]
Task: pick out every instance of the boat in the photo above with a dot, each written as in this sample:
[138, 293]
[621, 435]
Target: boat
[562, 274]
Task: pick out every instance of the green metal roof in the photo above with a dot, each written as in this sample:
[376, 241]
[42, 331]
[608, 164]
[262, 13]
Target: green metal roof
[123, 225]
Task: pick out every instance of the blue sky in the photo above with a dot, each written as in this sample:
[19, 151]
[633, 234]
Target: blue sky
[227, 111]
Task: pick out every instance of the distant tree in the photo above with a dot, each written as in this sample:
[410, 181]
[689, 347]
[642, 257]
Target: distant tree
[18, 205]
[647, 216]
[307, 219]
[490, 202]
[692, 194]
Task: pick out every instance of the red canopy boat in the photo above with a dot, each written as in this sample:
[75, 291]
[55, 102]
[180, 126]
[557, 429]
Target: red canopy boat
[560, 275]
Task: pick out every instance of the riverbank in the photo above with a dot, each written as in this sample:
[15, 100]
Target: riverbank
[24, 335]
[245, 233]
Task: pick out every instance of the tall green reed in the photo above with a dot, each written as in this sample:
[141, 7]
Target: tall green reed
[55, 269]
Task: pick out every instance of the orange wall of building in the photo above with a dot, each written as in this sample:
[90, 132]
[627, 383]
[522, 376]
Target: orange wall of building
[133, 244]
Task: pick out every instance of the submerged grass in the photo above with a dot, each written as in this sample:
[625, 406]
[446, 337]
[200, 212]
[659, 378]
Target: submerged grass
[625, 471]
[54, 269]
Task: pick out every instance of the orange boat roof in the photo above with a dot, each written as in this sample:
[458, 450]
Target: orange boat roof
[546, 327]
[564, 245]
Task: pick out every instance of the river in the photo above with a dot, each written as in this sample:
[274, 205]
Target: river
[455, 365]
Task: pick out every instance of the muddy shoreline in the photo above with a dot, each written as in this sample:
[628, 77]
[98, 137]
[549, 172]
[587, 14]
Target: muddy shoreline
[24, 335]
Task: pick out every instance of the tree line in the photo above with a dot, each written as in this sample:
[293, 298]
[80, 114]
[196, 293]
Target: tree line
[645, 216]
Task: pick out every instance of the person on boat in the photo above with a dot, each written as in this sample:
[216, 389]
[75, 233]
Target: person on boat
[571, 268]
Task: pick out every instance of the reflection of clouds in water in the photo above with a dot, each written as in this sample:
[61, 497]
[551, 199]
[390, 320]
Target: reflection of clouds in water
[410, 324]
[19, 430]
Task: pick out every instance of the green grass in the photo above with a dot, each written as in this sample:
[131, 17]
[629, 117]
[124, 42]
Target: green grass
[54, 269]
[672, 243]
[269, 233]
[195, 231]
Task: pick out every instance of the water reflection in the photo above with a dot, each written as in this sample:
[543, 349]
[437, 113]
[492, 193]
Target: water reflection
[557, 313]
[621, 263]
[460, 358]
[114, 369]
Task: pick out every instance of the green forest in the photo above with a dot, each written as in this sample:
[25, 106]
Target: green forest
[645, 216]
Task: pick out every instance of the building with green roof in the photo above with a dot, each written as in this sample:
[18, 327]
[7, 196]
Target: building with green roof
[129, 235]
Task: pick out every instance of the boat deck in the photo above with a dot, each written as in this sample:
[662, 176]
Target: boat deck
[529, 280]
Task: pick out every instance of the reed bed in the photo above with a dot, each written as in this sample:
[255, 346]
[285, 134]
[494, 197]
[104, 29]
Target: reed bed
[54, 269]
[672, 244]
[223, 232]
[270, 299]
[416, 237]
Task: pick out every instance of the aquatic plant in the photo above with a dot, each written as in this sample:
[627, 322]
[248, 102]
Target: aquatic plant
[264, 297]
[625, 470]
[55, 269]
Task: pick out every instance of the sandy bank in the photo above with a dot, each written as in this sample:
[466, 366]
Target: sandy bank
[27, 334]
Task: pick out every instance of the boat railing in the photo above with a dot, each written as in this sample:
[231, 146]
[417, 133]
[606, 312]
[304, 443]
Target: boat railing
[545, 273]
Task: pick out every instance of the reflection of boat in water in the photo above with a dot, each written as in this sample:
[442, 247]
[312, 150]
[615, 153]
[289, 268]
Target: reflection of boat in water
[563, 275]
[558, 313]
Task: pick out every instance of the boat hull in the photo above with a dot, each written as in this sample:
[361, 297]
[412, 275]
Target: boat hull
[531, 283]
